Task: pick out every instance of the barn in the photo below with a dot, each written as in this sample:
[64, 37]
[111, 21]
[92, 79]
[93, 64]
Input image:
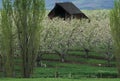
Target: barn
[66, 10]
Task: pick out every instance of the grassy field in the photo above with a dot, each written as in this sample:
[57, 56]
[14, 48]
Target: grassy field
[74, 67]
[58, 79]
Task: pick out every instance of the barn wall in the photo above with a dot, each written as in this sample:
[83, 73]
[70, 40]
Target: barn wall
[80, 16]
[51, 14]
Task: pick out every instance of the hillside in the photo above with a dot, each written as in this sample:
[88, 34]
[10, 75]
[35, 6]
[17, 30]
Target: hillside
[82, 4]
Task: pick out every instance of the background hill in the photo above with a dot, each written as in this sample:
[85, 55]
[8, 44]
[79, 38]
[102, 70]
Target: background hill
[82, 4]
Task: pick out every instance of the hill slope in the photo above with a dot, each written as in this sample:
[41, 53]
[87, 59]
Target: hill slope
[82, 4]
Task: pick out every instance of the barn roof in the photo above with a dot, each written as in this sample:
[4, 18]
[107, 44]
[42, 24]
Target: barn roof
[69, 7]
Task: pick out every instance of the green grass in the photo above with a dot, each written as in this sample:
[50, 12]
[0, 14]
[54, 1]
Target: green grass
[83, 53]
[76, 66]
[89, 60]
[57, 79]
[66, 69]
[51, 56]
[73, 58]
[73, 67]
[95, 61]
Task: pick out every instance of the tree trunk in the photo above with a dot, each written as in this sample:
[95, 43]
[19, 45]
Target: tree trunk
[115, 27]
[1, 63]
[62, 56]
[108, 58]
[86, 53]
[108, 62]
[38, 60]
[7, 38]
[117, 56]
[26, 73]
[118, 73]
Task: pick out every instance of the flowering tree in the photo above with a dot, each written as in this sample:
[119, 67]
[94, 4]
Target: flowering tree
[86, 38]
[56, 37]
[105, 44]
[59, 36]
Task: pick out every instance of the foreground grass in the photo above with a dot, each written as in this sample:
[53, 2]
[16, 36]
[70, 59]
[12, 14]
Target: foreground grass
[75, 70]
[58, 79]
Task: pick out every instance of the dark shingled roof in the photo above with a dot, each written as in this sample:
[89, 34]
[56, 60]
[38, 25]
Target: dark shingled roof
[66, 10]
[69, 7]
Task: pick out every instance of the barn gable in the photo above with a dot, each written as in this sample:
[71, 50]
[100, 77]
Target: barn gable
[66, 10]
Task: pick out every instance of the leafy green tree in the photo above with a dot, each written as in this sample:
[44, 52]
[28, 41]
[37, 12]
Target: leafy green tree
[115, 30]
[28, 15]
[7, 38]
